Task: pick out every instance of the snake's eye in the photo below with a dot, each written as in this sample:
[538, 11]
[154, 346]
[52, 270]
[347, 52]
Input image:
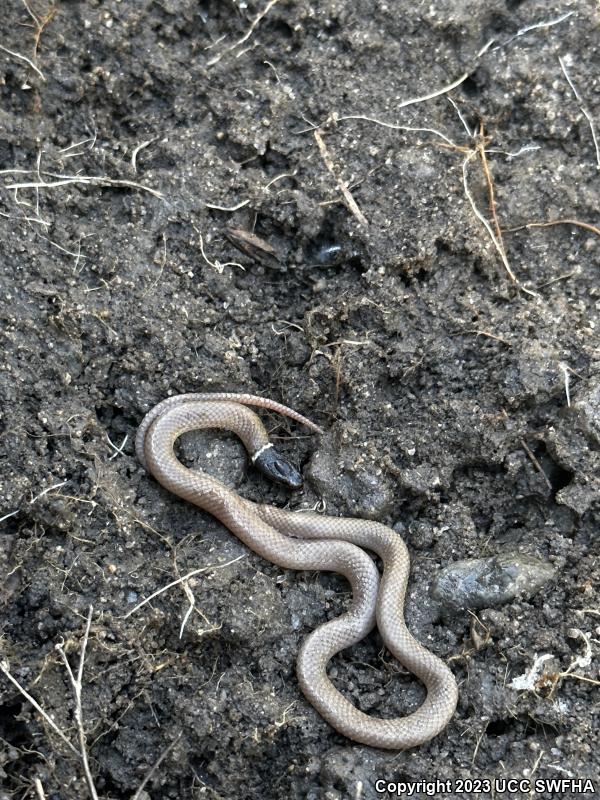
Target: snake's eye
[278, 469]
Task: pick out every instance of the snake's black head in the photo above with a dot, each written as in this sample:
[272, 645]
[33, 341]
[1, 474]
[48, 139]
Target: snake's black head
[277, 468]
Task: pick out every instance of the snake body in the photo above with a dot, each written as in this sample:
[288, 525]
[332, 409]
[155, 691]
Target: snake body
[308, 541]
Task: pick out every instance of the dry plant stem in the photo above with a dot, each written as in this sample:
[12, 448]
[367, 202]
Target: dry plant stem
[42, 222]
[94, 180]
[585, 225]
[584, 110]
[215, 264]
[494, 233]
[490, 185]
[536, 463]
[489, 335]
[47, 491]
[478, 742]
[414, 100]
[556, 280]
[578, 677]
[33, 499]
[228, 208]
[76, 683]
[39, 789]
[5, 669]
[484, 221]
[537, 763]
[545, 24]
[579, 661]
[342, 185]
[565, 371]
[463, 121]
[155, 766]
[138, 149]
[23, 58]
[118, 450]
[180, 580]
[248, 33]
[41, 24]
[410, 102]
[192, 604]
[394, 127]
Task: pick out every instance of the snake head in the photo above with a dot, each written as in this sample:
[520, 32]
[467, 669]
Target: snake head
[277, 468]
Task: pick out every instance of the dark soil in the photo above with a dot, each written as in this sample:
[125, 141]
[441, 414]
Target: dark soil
[461, 407]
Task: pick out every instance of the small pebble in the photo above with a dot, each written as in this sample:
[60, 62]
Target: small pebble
[587, 407]
[484, 582]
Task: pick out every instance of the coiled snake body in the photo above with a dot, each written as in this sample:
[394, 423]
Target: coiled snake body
[308, 541]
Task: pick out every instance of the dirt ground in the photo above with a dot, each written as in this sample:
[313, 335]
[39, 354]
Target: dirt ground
[451, 354]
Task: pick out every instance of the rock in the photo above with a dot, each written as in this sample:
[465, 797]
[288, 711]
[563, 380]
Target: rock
[539, 370]
[580, 494]
[421, 534]
[483, 582]
[587, 408]
[421, 480]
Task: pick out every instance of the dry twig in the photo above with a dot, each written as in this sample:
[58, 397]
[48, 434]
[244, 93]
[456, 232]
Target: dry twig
[499, 247]
[536, 463]
[342, 185]
[155, 766]
[495, 231]
[40, 24]
[481, 142]
[39, 789]
[4, 667]
[76, 684]
[585, 225]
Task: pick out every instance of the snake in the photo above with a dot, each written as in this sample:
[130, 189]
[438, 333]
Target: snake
[308, 540]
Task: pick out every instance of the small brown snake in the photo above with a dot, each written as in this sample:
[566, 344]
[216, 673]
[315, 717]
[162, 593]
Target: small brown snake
[308, 541]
